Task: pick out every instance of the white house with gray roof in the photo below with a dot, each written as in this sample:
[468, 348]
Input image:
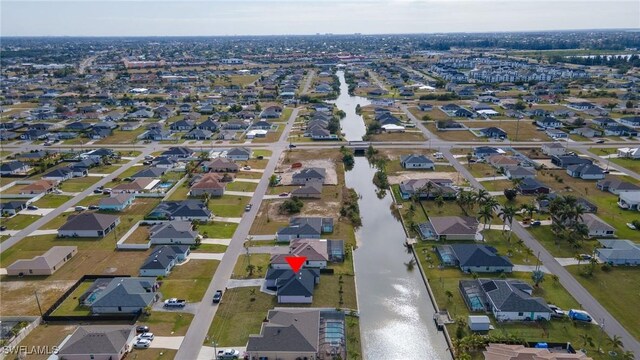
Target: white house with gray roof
[98, 342]
[416, 161]
[619, 252]
[121, 295]
[173, 232]
[88, 224]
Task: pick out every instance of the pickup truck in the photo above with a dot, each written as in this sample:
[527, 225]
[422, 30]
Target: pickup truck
[228, 354]
[173, 302]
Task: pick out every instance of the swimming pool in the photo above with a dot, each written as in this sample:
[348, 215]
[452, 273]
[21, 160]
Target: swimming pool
[476, 303]
[165, 185]
[334, 332]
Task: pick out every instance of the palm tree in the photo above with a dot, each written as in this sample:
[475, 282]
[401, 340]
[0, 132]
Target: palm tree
[516, 182]
[481, 196]
[250, 268]
[616, 342]
[527, 252]
[628, 355]
[439, 202]
[587, 340]
[529, 209]
[537, 276]
[485, 215]
[426, 189]
[449, 295]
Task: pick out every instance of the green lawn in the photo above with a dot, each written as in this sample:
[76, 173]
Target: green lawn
[167, 323]
[260, 152]
[189, 281]
[624, 282]
[228, 205]
[241, 186]
[52, 201]
[217, 230]
[447, 279]
[633, 165]
[18, 222]
[78, 184]
[545, 236]
[260, 261]
[180, 193]
[210, 248]
[70, 305]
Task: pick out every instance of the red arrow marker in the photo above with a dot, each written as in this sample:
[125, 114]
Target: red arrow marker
[295, 262]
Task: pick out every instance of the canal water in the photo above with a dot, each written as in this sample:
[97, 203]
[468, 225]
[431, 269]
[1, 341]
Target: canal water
[352, 125]
[396, 313]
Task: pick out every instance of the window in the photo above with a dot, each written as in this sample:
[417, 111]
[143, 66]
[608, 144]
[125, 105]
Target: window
[520, 314]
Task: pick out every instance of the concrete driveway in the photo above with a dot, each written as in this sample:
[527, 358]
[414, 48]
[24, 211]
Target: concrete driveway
[273, 250]
[569, 261]
[206, 256]
[234, 283]
[216, 241]
[530, 268]
[239, 193]
[208, 352]
[39, 212]
[191, 308]
[166, 342]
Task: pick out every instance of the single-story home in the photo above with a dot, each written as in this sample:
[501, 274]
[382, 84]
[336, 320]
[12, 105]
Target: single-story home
[11, 208]
[220, 164]
[450, 228]
[14, 168]
[428, 188]
[508, 300]
[120, 295]
[520, 172]
[617, 186]
[187, 210]
[118, 202]
[629, 200]
[416, 161]
[39, 187]
[293, 288]
[173, 232]
[586, 171]
[163, 258]
[305, 227]
[309, 175]
[239, 154]
[207, 184]
[99, 342]
[88, 224]
[45, 264]
[554, 148]
[619, 252]
[597, 227]
[474, 258]
[531, 186]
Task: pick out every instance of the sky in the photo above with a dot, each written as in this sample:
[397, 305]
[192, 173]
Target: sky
[275, 17]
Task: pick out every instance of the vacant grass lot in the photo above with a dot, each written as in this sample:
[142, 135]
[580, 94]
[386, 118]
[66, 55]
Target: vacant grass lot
[241, 186]
[560, 248]
[217, 230]
[228, 205]
[123, 137]
[447, 279]
[190, 280]
[633, 165]
[78, 184]
[167, 323]
[624, 282]
[46, 335]
[52, 201]
[260, 261]
[18, 222]
[525, 129]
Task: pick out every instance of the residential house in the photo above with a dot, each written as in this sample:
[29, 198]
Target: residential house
[39, 187]
[629, 200]
[271, 112]
[117, 202]
[11, 208]
[531, 186]
[309, 191]
[617, 186]
[179, 152]
[162, 260]
[542, 204]
[597, 227]
[309, 175]
[515, 352]
[88, 224]
[209, 125]
[45, 264]
[450, 228]
[556, 134]
[554, 148]
[482, 152]
[14, 168]
[287, 334]
[239, 154]
[305, 228]
[629, 153]
[207, 184]
[173, 232]
[318, 253]
[619, 130]
[501, 161]
[508, 300]
[474, 258]
[619, 252]
[187, 210]
[633, 121]
[519, 172]
[493, 133]
[182, 125]
[428, 188]
[157, 135]
[120, 295]
[138, 185]
[549, 123]
[98, 342]
[416, 161]
[59, 174]
[565, 161]
[220, 164]
[586, 171]
[198, 134]
[586, 132]
[151, 172]
[78, 126]
[293, 288]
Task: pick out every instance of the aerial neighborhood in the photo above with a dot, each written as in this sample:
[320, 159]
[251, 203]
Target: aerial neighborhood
[282, 197]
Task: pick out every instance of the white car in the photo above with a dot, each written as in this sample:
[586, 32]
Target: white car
[142, 344]
[146, 336]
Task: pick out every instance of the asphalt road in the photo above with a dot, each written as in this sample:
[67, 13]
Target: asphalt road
[60, 209]
[589, 303]
[205, 312]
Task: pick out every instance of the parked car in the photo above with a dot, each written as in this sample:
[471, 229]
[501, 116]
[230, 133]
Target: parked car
[106, 192]
[284, 194]
[32, 207]
[146, 162]
[81, 208]
[94, 207]
[248, 207]
[585, 257]
[146, 335]
[97, 191]
[536, 223]
[142, 344]
[149, 157]
[142, 329]
[260, 157]
[291, 146]
[556, 312]
[3, 228]
[579, 315]
[601, 141]
[247, 167]
[173, 302]
[228, 354]
[217, 296]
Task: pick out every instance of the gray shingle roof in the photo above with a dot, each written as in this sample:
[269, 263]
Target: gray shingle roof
[479, 255]
[97, 339]
[89, 221]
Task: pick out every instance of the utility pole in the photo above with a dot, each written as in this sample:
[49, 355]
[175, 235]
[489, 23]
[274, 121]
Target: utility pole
[35, 292]
[517, 128]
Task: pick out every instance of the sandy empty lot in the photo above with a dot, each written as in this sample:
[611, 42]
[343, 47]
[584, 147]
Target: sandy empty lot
[311, 208]
[409, 175]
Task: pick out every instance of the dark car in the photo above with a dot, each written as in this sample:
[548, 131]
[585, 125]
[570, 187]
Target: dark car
[94, 207]
[3, 228]
[536, 223]
[291, 146]
[142, 329]
[32, 207]
[97, 191]
[260, 157]
[601, 141]
[217, 296]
